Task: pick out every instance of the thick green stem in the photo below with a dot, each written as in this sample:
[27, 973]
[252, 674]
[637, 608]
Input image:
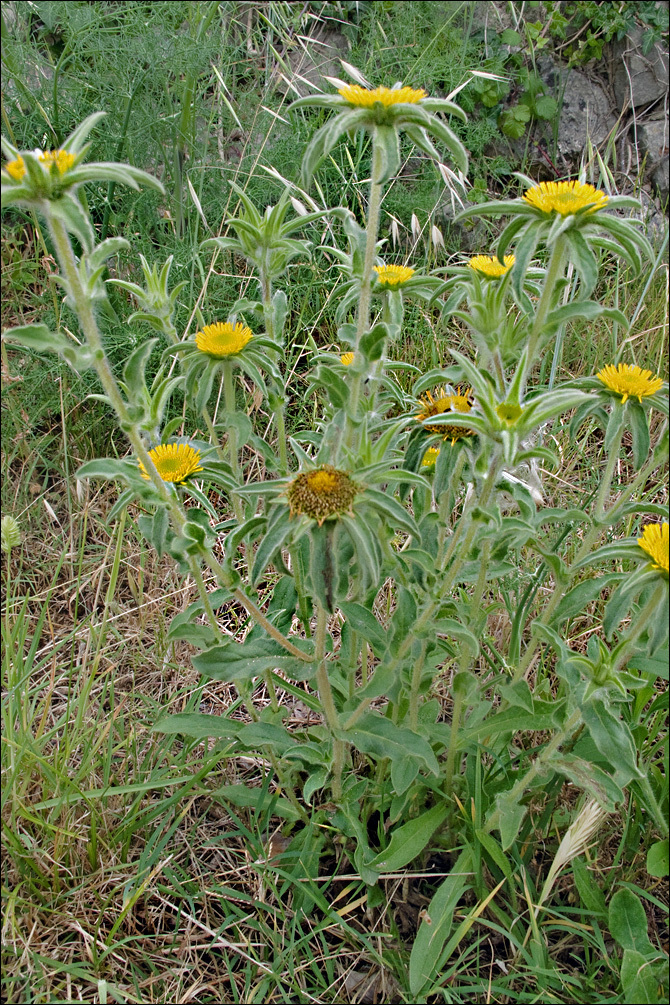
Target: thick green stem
[587, 544]
[372, 230]
[606, 482]
[212, 433]
[269, 320]
[453, 745]
[415, 688]
[640, 623]
[553, 275]
[231, 408]
[327, 700]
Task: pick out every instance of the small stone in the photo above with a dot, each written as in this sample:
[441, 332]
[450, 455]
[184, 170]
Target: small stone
[639, 79]
[659, 180]
[652, 140]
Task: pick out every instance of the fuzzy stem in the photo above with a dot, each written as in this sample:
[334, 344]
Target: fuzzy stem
[453, 733]
[415, 687]
[553, 274]
[372, 229]
[269, 320]
[641, 622]
[327, 700]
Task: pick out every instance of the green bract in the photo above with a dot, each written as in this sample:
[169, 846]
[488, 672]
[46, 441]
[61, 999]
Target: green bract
[385, 118]
[30, 177]
[570, 213]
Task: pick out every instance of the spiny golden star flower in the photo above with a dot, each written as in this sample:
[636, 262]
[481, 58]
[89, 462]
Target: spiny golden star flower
[321, 494]
[175, 462]
[61, 158]
[362, 97]
[565, 197]
[655, 540]
[462, 402]
[430, 456]
[491, 267]
[393, 275]
[16, 169]
[223, 339]
[629, 381]
[347, 358]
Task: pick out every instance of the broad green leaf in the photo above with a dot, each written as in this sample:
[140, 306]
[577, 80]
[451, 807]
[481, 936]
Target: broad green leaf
[613, 739]
[408, 841]
[198, 725]
[374, 734]
[640, 979]
[265, 734]
[437, 924]
[234, 661]
[362, 620]
[658, 862]
[511, 813]
[628, 922]
[258, 799]
[591, 778]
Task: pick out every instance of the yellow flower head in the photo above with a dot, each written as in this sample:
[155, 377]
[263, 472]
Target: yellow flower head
[347, 358]
[565, 197]
[491, 267]
[222, 339]
[630, 381]
[362, 97]
[16, 169]
[430, 456]
[323, 493]
[654, 541]
[61, 158]
[175, 462]
[462, 402]
[393, 275]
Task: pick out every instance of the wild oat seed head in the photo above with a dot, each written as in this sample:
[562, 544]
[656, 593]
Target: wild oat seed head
[655, 542]
[222, 339]
[461, 402]
[321, 494]
[629, 381]
[347, 358]
[61, 158]
[490, 266]
[362, 97]
[10, 533]
[393, 275]
[16, 169]
[565, 197]
[175, 462]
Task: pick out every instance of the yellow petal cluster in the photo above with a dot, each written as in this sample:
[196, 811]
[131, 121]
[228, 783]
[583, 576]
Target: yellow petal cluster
[175, 462]
[363, 97]
[460, 402]
[491, 267]
[393, 275]
[629, 381]
[347, 358]
[655, 539]
[222, 339]
[16, 169]
[62, 159]
[565, 197]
